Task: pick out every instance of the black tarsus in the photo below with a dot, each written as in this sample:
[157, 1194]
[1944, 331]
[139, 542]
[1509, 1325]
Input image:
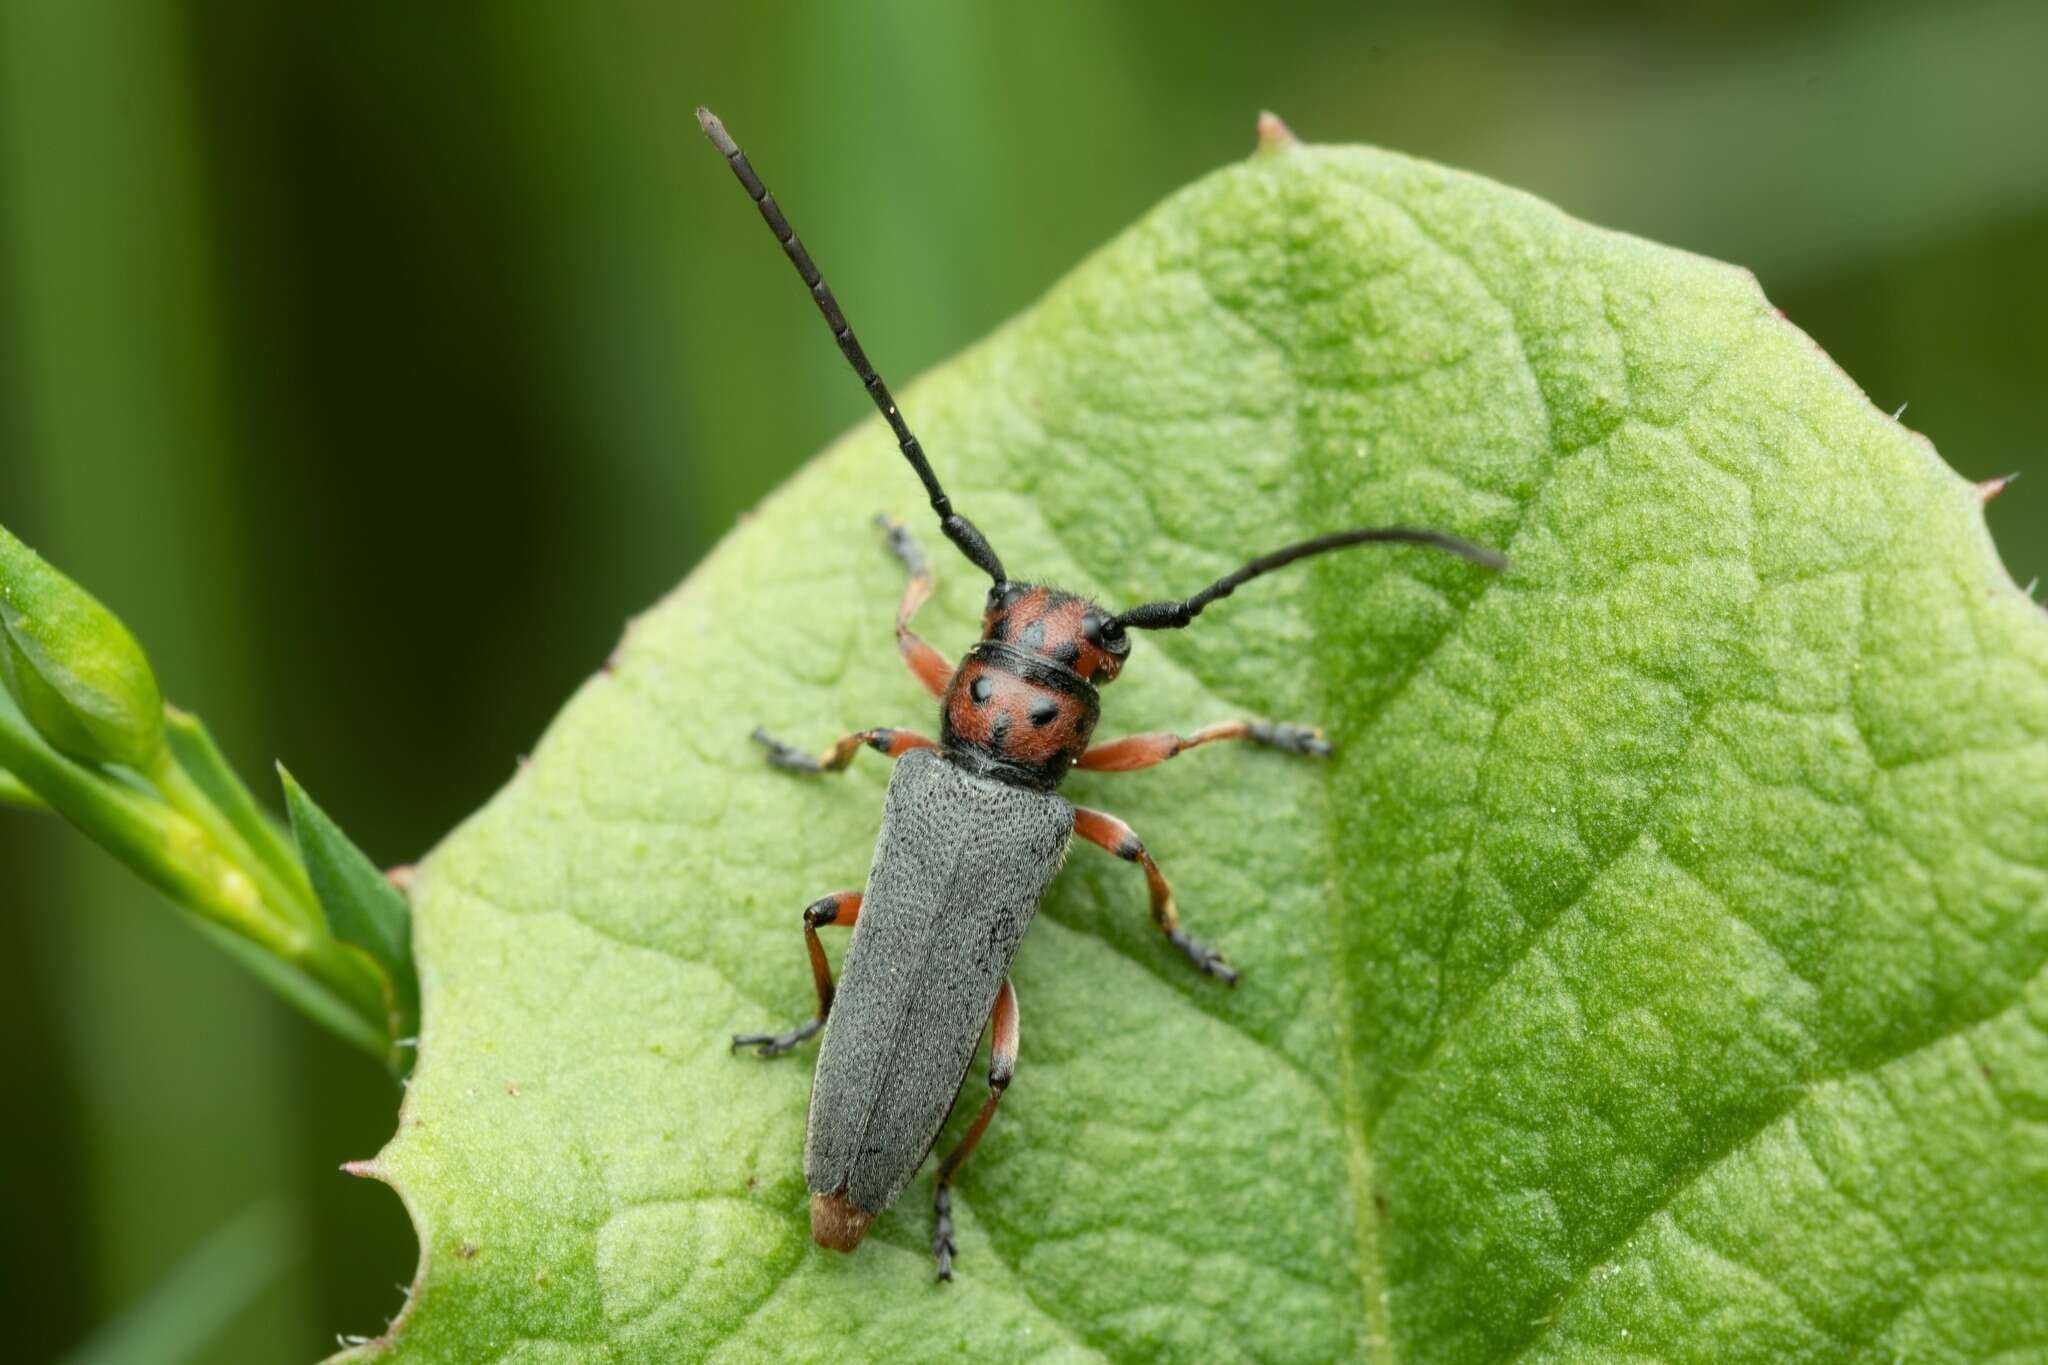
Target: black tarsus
[958, 529]
[1171, 615]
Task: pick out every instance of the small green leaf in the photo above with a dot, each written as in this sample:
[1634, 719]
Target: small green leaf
[362, 907]
[1654, 972]
[76, 672]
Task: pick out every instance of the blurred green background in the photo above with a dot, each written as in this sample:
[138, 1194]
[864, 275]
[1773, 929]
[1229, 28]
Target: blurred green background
[375, 362]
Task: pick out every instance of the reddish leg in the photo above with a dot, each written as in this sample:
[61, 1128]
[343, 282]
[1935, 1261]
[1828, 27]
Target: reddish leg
[927, 663]
[1143, 751]
[842, 908]
[894, 743]
[1106, 831]
[1002, 1065]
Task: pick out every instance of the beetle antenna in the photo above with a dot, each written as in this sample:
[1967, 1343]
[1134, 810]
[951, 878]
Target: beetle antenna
[958, 529]
[1171, 615]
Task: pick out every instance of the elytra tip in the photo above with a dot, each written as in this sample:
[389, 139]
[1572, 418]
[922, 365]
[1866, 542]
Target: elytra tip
[835, 1223]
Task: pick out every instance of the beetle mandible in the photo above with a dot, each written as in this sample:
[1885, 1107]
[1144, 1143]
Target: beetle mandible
[973, 830]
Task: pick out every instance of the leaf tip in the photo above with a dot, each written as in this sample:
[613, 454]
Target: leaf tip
[1274, 135]
[1991, 488]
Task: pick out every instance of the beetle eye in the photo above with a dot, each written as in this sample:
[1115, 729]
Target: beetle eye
[1104, 632]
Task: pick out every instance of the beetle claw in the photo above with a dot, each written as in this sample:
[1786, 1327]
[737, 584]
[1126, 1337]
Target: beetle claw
[942, 1232]
[775, 1044]
[1205, 959]
[1306, 740]
[783, 755]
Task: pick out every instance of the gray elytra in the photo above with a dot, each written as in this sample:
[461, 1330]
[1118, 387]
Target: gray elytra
[959, 869]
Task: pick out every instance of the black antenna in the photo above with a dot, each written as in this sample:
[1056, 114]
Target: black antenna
[958, 529]
[1173, 615]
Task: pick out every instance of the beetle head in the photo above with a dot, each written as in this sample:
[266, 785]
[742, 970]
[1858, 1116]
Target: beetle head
[1059, 626]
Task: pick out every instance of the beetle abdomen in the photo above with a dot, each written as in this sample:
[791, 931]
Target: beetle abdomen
[959, 869]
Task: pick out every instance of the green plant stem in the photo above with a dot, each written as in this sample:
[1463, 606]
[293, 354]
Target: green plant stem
[166, 849]
[310, 946]
[338, 1014]
[14, 792]
[217, 880]
[222, 796]
[314, 948]
[293, 902]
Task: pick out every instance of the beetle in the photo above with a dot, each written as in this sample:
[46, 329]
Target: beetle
[973, 829]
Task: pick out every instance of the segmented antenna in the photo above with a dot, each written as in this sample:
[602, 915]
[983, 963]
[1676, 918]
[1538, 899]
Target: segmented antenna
[958, 529]
[1172, 615]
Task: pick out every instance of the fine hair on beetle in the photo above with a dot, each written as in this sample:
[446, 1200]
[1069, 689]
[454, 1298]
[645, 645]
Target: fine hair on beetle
[973, 829]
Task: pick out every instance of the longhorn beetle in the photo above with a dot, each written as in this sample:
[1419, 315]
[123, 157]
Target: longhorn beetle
[972, 832]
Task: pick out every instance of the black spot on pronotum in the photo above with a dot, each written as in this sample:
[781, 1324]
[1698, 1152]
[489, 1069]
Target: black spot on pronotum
[999, 733]
[1044, 712]
[1032, 637]
[981, 688]
[999, 629]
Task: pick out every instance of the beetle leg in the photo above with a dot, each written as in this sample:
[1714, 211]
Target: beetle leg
[1143, 751]
[841, 908]
[1106, 831]
[927, 663]
[1002, 1065]
[894, 743]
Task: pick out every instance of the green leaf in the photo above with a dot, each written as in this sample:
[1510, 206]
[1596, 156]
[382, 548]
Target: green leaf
[362, 906]
[1655, 971]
